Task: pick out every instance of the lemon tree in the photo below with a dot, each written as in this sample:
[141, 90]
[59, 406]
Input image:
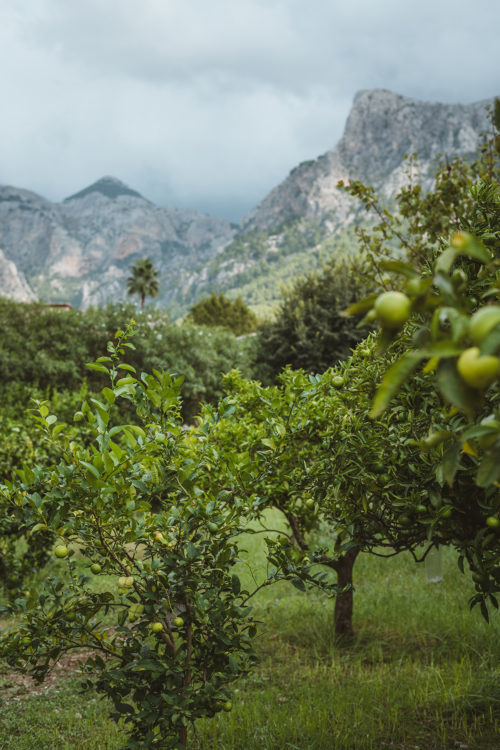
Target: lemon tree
[152, 595]
[452, 332]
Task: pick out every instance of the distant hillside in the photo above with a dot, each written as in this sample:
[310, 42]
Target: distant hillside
[81, 250]
[307, 218]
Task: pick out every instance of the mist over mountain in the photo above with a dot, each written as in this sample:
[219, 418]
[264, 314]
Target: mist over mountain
[81, 250]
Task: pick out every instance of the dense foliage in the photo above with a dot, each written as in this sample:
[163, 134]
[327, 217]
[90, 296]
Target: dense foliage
[449, 294]
[310, 330]
[344, 483]
[48, 348]
[219, 310]
[154, 510]
[173, 628]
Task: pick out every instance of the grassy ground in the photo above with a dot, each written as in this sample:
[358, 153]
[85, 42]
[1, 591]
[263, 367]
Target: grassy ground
[423, 673]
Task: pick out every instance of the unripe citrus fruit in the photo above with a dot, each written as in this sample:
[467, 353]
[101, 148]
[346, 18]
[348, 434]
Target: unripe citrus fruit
[227, 706]
[477, 370]
[178, 622]
[61, 550]
[483, 321]
[392, 309]
[126, 582]
[310, 503]
[414, 287]
[337, 381]
[95, 568]
[493, 522]
[157, 627]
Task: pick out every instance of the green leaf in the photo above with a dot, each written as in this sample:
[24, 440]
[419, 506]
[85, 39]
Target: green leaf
[91, 468]
[450, 463]
[235, 584]
[491, 342]
[453, 388]
[489, 469]
[393, 380]
[397, 266]
[98, 368]
[446, 260]
[361, 307]
[108, 395]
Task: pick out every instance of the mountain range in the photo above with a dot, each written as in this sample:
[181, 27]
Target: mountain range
[80, 250]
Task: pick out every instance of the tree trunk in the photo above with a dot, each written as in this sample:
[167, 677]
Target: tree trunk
[344, 601]
[183, 736]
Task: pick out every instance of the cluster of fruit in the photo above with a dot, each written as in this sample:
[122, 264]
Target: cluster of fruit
[392, 310]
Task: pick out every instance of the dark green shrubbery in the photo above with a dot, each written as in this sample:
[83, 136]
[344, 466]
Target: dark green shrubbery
[219, 310]
[310, 331]
[48, 348]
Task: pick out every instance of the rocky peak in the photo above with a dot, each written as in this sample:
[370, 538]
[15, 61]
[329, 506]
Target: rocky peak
[110, 187]
[381, 129]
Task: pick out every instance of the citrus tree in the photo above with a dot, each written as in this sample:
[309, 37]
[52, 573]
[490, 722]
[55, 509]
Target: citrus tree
[445, 296]
[344, 483]
[151, 595]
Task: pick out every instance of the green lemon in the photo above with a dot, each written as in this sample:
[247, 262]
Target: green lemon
[477, 370]
[392, 309]
[178, 622]
[157, 627]
[493, 522]
[338, 381]
[61, 551]
[95, 568]
[227, 706]
[483, 321]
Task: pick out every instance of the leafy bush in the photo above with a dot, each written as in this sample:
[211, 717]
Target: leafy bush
[219, 310]
[309, 331]
[48, 348]
[168, 627]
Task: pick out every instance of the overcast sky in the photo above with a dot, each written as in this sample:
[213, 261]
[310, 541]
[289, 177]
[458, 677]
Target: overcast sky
[208, 104]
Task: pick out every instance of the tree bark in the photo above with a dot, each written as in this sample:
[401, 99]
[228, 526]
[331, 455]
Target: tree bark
[183, 737]
[344, 600]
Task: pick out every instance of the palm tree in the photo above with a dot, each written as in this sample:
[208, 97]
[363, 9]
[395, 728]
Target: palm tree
[143, 280]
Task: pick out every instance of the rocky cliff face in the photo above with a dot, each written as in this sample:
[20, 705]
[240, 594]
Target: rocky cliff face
[81, 250]
[382, 128]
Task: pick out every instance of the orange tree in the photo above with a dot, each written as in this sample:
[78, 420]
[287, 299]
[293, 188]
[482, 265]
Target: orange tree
[448, 288]
[152, 596]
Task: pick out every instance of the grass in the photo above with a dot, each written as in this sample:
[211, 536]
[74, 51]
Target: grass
[422, 673]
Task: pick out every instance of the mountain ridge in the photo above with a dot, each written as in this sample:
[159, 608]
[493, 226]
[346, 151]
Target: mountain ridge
[80, 250]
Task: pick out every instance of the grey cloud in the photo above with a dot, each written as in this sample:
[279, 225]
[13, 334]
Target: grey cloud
[210, 104]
